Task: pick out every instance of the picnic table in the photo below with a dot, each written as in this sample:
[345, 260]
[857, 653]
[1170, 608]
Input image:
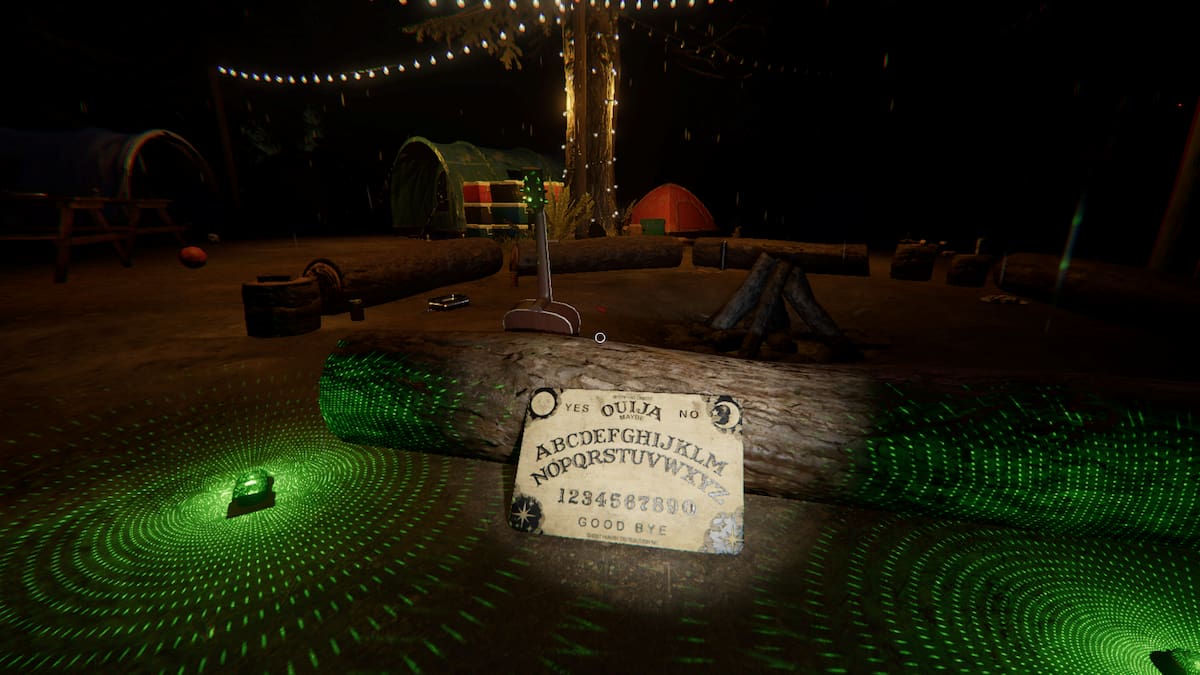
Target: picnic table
[65, 231]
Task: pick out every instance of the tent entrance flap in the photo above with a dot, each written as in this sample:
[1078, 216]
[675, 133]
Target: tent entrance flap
[427, 181]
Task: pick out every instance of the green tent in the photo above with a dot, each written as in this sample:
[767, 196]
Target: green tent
[427, 181]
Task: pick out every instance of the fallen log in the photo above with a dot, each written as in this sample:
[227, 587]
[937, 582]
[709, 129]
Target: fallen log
[600, 254]
[1044, 446]
[770, 302]
[1117, 293]
[746, 297]
[408, 268]
[757, 288]
[800, 296]
[741, 253]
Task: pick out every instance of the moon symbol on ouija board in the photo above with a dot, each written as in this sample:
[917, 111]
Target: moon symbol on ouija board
[726, 414]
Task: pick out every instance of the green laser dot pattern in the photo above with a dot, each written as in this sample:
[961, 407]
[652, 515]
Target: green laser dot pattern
[377, 399]
[964, 598]
[126, 561]
[1035, 457]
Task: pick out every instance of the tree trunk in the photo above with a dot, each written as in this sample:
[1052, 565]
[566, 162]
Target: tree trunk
[411, 267]
[811, 432]
[1120, 293]
[591, 67]
[600, 254]
[847, 259]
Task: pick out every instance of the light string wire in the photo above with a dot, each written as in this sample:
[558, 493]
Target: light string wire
[368, 74]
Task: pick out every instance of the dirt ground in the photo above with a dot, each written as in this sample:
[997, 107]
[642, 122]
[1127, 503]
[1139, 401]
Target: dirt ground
[131, 395]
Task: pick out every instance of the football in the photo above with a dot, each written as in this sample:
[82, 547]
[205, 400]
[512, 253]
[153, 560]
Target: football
[192, 257]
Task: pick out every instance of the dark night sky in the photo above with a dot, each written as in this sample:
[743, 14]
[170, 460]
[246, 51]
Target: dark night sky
[990, 118]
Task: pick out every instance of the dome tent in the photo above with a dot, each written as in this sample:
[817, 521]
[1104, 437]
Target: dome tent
[92, 161]
[427, 181]
[682, 212]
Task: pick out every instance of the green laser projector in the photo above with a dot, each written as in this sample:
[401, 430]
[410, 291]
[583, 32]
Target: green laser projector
[1176, 662]
[251, 492]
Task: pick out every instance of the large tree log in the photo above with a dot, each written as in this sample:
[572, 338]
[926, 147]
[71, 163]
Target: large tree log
[847, 259]
[410, 267]
[601, 254]
[1118, 293]
[1043, 445]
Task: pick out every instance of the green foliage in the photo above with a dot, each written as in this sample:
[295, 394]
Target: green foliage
[477, 25]
[261, 140]
[563, 214]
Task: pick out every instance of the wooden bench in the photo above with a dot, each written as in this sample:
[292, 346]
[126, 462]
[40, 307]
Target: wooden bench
[67, 232]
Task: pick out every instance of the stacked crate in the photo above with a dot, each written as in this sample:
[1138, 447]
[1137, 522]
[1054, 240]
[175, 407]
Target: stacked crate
[497, 208]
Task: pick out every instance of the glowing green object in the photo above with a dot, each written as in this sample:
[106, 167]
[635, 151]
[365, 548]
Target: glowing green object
[252, 487]
[1176, 661]
[534, 190]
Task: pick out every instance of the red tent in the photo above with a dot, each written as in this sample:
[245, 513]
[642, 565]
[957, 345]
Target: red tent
[683, 212]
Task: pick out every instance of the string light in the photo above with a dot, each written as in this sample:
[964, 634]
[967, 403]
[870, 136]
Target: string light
[387, 70]
[536, 4]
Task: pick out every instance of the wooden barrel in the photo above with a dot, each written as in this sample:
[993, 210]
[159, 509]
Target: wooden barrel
[281, 305]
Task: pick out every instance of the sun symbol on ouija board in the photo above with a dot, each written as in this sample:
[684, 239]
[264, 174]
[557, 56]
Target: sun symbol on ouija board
[525, 514]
